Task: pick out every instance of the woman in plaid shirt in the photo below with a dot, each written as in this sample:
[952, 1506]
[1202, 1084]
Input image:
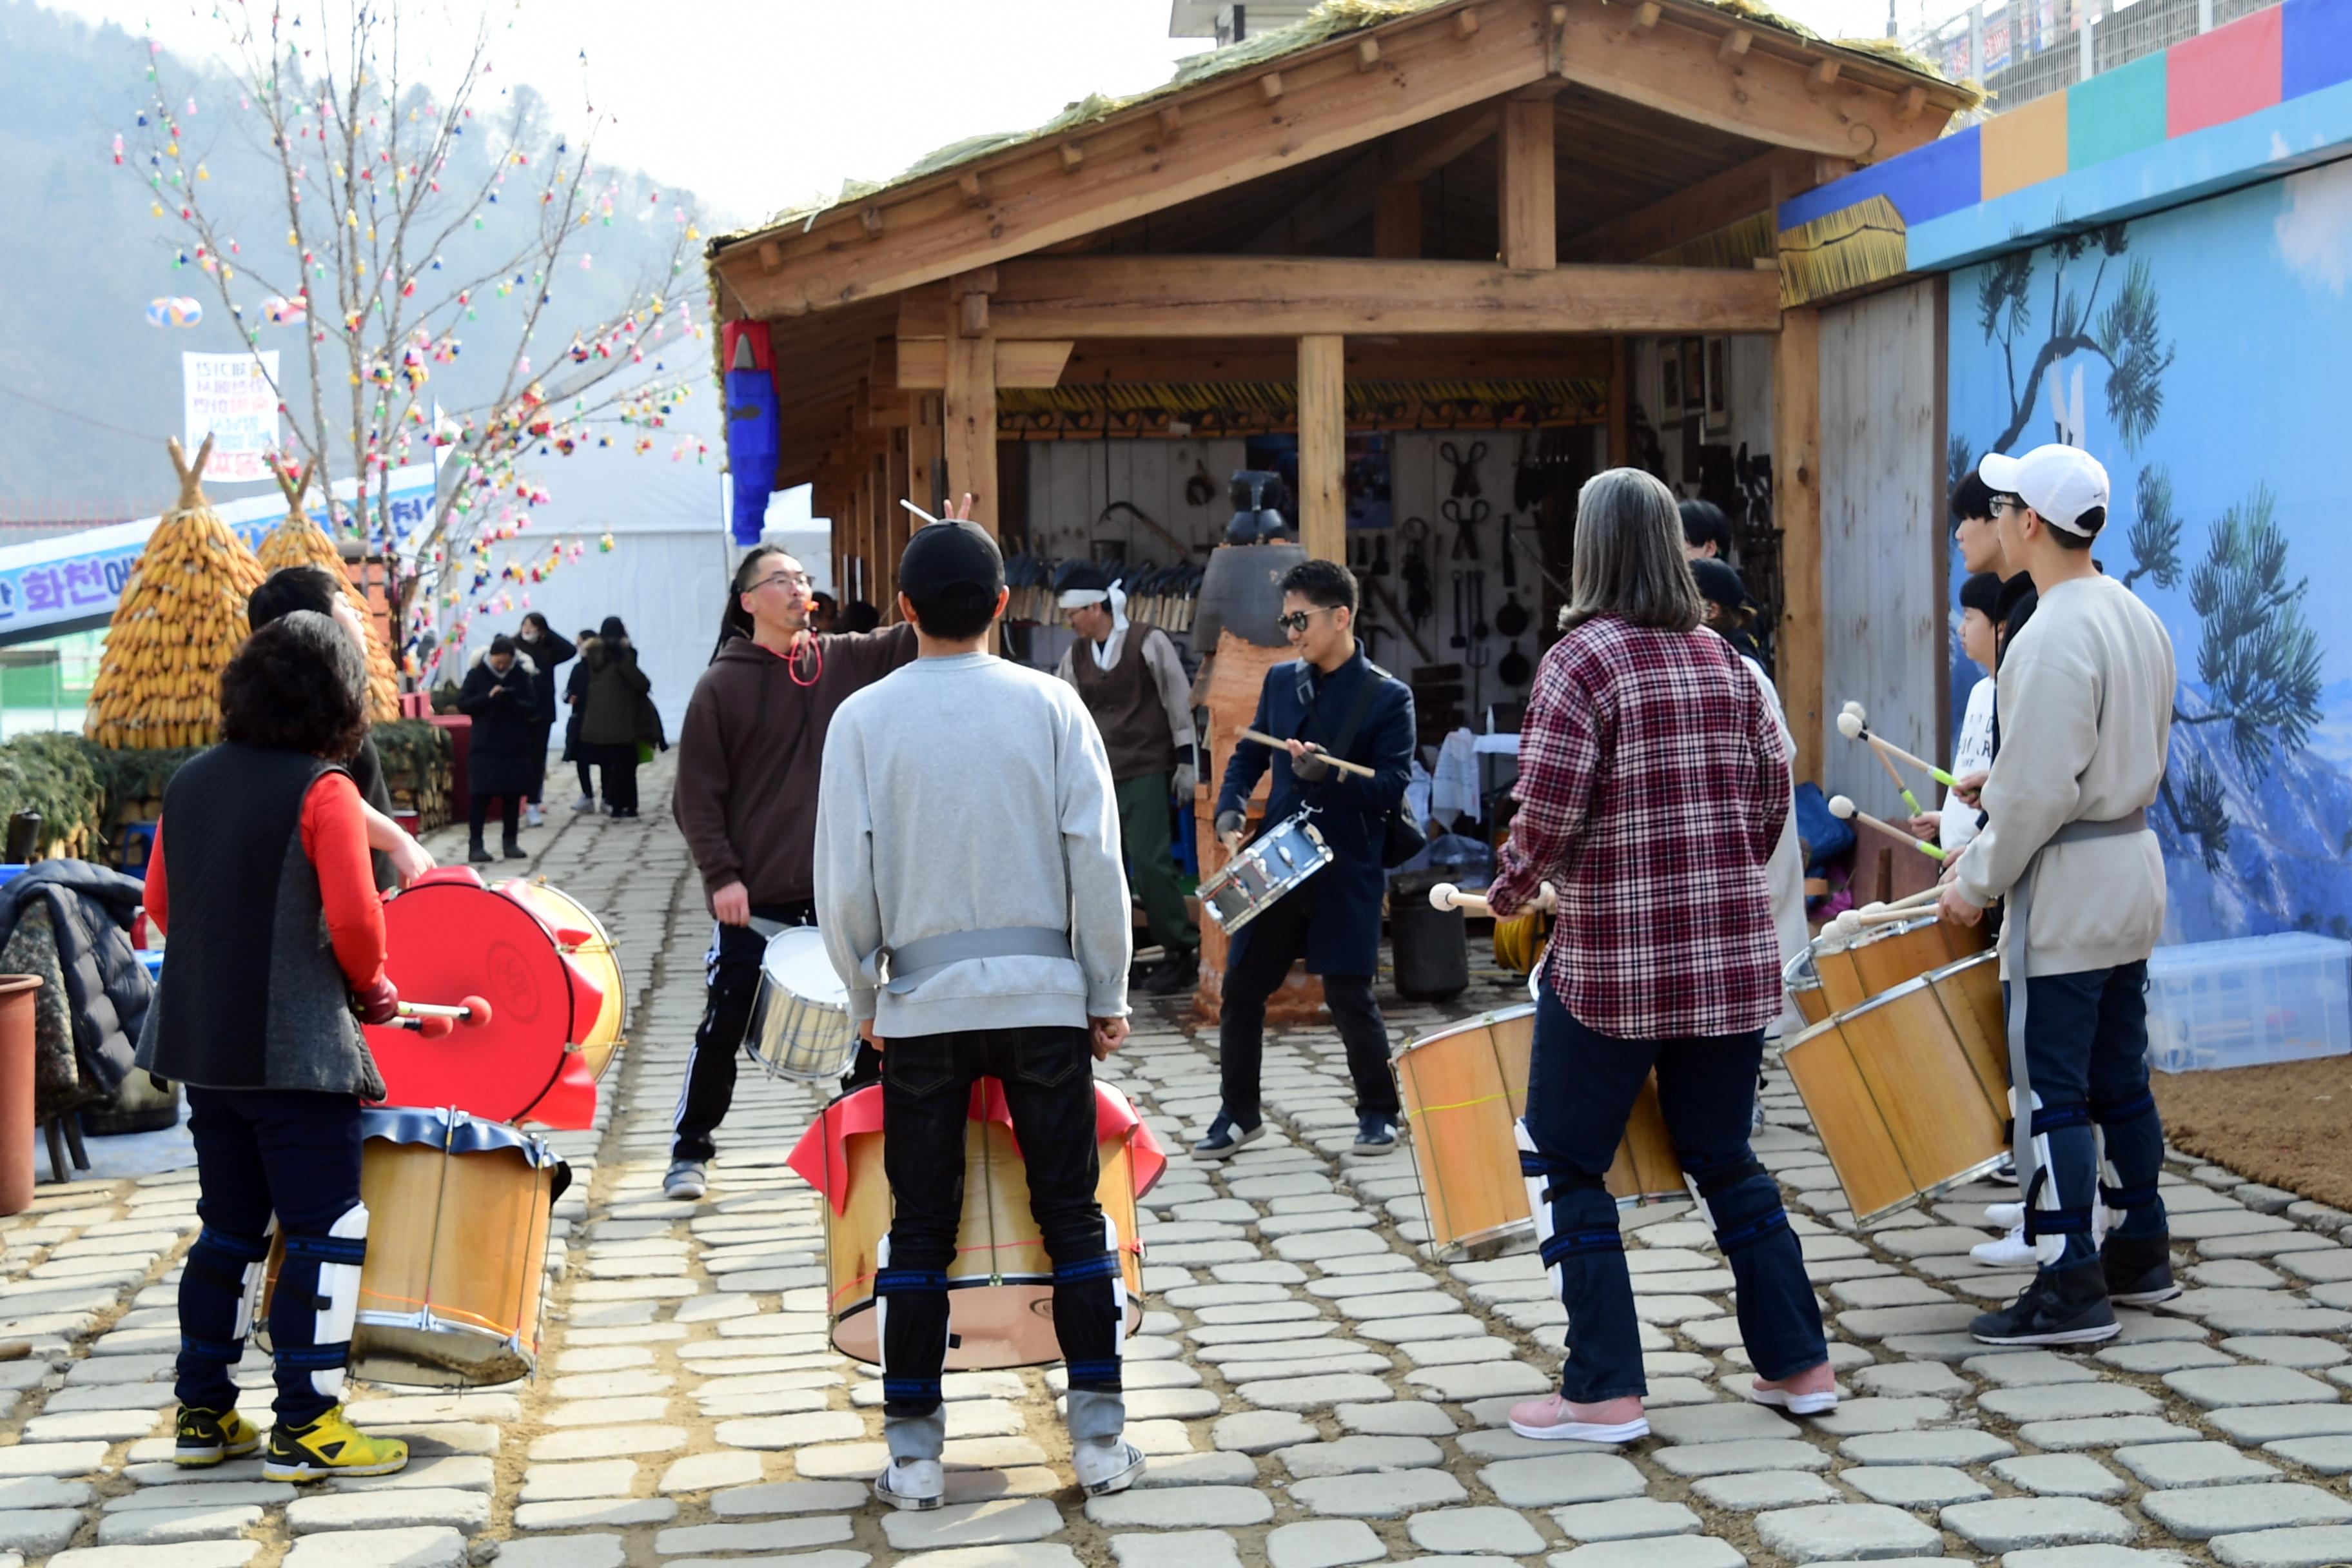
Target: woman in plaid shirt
[1653, 784]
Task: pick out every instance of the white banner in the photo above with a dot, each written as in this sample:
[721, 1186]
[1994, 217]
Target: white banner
[231, 398]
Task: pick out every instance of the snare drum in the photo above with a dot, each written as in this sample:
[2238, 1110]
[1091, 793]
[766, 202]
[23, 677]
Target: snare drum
[800, 1018]
[1909, 1090]
[1851, 970]
[456, 1250]
[1277, 860]
[580, 934]
[1463, 1088]
[1001, 1285]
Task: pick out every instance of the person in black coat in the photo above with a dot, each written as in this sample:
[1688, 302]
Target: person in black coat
[497, 696]
[1330, 700]
[537, 642]
[575, 698]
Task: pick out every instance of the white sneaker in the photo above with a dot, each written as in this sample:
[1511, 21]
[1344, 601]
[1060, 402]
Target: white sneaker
[530, 815]
[687, 1181]
[1103, 1468]
[2013, 1251]
[585, 803]
[912, 1484]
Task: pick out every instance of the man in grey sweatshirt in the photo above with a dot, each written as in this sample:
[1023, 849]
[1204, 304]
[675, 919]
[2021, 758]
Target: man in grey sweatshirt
[971, 896]
[2085, 704]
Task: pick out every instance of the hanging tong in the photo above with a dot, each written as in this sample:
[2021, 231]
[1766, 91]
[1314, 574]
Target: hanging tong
[1466, 468]
[1465, 521]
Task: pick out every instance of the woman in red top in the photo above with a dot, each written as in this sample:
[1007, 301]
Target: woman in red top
[277, 957]
[1653, 779]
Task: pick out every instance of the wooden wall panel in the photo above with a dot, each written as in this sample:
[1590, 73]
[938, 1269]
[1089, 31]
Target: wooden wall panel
[1882, 508]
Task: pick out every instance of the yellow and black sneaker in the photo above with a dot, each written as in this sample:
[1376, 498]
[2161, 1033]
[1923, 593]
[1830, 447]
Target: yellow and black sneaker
[205, 1438]
[330, 1445]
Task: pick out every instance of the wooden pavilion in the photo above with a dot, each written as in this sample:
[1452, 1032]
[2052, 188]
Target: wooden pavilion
[1335, 227]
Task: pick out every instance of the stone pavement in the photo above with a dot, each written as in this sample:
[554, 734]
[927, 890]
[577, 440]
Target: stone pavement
[1315, 1391]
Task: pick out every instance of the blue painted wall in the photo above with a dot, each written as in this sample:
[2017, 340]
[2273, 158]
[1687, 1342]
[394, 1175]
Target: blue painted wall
[2209, 345]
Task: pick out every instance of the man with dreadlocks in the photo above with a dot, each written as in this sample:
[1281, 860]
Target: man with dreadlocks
[748, 762]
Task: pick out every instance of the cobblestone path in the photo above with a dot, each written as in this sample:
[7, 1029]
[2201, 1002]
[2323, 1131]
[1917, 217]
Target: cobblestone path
[1313, 1391]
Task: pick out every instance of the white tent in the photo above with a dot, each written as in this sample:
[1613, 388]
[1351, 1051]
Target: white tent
[665, 575]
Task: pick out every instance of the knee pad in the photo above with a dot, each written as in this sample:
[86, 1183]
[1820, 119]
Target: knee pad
[1741, 1200]
[235, 1266]
[334, 1261]
[1548, 1184]
[2125, 1111]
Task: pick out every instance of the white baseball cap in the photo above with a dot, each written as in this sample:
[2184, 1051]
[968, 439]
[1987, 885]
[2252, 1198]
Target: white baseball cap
[2060, 482]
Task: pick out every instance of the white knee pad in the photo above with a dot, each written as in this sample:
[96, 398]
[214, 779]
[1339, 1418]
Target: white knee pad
[339, 1299]
[1536, 1204]
[252, 1284]
[1117, 1289]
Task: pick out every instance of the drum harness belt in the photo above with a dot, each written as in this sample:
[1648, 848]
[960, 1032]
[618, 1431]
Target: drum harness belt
[2017, 924]
[900, 969]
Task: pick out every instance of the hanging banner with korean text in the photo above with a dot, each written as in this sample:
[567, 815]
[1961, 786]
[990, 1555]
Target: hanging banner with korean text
[233, 398]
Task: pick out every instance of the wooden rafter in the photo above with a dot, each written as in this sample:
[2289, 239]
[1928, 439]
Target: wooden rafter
[1738, 191]
[1227, 130]
[1226, 297]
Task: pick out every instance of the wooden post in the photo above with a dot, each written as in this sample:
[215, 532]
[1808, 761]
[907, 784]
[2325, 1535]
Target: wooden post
[1396, 222]
[1796, 509]
[1621, 403]
[1531, 239]
[969, 412]
[1322, 447]
[895, 522]
[926, 454]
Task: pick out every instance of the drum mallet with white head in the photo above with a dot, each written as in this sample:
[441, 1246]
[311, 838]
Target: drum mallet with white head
[1854, 723]
[1845, 810]
[1852, 922]
[1850, 725]
[1446, 896]
[432, 1020]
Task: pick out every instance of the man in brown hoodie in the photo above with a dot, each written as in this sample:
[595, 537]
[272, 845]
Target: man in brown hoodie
[746, 800]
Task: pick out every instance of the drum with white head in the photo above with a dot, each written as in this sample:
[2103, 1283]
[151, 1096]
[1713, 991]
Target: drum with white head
[800, 1026]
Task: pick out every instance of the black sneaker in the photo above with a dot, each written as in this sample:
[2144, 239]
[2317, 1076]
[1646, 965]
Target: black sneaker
[2138, 1270]
[2059, 1307]
[1376, 1134]
[1225, 1140]
[1178, 971]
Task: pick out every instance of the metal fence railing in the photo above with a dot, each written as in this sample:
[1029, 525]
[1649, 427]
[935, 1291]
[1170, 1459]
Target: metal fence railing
[2025, 49]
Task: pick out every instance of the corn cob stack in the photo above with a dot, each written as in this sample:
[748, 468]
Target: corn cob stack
[299, 542]
[180, 622]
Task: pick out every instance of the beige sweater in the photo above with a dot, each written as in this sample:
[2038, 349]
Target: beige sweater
[2086, 700]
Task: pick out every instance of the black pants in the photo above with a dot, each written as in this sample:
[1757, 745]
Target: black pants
[297, 1155]
[730, 972]
[1277, 939]
[541, 729]
[587, 778]
[1049, 1087]
[479, 816]
[618, 764]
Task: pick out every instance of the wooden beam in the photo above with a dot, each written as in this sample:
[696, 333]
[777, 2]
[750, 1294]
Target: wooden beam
[1368, 52]
[1530, 239]
[1717, 202]
[1823, 76]
[1396, 223]
[1224, 296]
[1132, 166]
[926, 453]
[1646, 15]
[970, 414]
[1797, 513]
[922, 363]
[1323, 446]
[898, 484]
[1735, 45]
[1407, 157]
[1132, 362]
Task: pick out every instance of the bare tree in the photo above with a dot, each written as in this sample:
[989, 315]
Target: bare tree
[387, 153]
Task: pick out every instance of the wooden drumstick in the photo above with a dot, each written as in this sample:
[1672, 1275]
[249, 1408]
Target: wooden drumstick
[1845, 810]
[1446, 896]
[1345, 766]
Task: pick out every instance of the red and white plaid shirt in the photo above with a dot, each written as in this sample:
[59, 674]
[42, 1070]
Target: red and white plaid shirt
[1653, 781]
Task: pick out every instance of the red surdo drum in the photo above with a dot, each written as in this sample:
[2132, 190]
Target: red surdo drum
[448, 937]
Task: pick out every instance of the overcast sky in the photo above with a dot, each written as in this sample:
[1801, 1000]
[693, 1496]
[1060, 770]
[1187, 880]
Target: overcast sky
[758, 104]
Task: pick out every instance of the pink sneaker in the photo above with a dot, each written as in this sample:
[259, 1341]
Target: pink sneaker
[1817, 1400]
[1552, 1419]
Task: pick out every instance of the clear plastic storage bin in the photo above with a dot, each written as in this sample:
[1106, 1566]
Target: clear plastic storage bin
[2235, 1004]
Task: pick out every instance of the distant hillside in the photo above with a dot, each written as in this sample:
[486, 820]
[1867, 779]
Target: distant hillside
[83, 257]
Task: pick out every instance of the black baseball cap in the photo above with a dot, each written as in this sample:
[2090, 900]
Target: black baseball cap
[949, 554]
[1719, 584]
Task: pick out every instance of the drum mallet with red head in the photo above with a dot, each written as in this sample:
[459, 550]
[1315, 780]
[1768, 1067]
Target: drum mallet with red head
[1446, 896]
[1845, 810]
[432, 1020]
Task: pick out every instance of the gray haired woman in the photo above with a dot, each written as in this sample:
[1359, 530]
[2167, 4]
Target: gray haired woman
[1653, 779]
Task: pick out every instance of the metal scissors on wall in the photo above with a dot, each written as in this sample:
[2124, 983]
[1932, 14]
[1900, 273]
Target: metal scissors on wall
[1465, 523]
[1465, 468]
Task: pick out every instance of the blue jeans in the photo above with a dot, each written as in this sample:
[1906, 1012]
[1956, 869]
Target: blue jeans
[2086, 1049]
[259, 1151]
[1582, 1086]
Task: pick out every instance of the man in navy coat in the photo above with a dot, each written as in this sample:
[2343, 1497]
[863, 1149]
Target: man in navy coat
[1330, 700]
